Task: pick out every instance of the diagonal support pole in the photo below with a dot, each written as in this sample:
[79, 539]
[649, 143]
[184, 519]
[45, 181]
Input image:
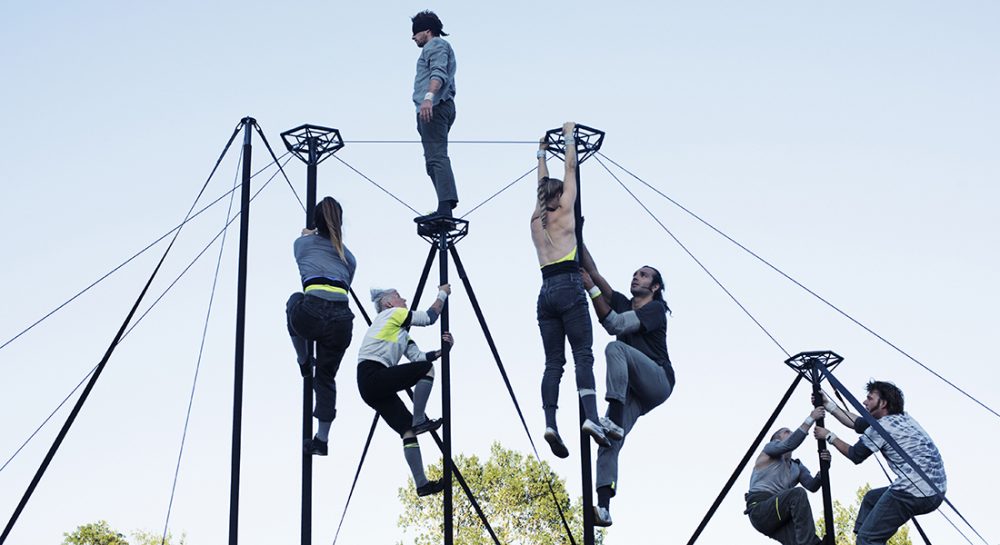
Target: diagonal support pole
[458, 475]
[503, 373]
[744, 461]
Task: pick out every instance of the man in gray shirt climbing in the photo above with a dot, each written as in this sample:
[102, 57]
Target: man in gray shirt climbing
[433, 95]
[777, 506]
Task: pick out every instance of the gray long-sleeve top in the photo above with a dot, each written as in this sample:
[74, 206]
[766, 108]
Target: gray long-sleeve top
[317, 258]
[437, 61]
[783, 473]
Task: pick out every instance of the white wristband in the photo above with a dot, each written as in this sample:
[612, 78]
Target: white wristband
[831, 437]
[809, 420]
[594, 292]
[540, 154]
[442, 295]
[429, 96]
[830, 406]
[570, 141]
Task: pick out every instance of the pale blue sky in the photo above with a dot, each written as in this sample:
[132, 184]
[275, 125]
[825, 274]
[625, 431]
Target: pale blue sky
[852, 144]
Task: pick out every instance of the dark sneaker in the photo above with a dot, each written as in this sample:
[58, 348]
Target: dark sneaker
[602, 516]
[426, 426]
[314, 446]
[432, 487]
[612, 430]
[433, 216]
[556, 443]
[597, 432]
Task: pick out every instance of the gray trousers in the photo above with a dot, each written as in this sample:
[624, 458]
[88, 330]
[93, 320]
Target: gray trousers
[434, 137]
[785, 518]
[640, 384]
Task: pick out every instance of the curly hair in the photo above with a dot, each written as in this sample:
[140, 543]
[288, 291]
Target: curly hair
[888, 392]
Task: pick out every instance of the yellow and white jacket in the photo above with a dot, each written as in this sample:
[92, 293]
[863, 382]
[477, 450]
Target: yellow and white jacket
[388, 338]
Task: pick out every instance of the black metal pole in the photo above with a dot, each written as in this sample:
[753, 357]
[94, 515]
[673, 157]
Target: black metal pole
[587, 476]
[446, 397]
[824, 465]
[307, 381]
[241, 305]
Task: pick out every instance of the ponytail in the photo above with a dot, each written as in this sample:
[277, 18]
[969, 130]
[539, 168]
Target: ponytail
[329, 219]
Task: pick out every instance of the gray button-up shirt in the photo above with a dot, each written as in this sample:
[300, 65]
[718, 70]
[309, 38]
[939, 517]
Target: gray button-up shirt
[437, 61]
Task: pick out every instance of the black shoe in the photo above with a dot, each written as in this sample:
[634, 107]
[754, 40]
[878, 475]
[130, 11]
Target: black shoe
[432, 487]
[314, 446]
[612, 430]
[556, 443]
[426, 426]
[428, 217]
[437, 215]
[595, 430]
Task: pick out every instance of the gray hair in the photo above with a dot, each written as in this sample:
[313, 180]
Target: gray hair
[378, 296]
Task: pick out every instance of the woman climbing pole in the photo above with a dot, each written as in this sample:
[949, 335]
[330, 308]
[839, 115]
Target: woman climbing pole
[319, 313]
[562, 302]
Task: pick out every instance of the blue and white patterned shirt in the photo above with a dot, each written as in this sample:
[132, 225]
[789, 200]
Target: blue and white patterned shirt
[918, 445]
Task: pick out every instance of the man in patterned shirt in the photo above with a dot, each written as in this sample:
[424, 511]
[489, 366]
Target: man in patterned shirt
[883, 511]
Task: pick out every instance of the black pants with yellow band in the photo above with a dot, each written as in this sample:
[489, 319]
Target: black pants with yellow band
[785, 517]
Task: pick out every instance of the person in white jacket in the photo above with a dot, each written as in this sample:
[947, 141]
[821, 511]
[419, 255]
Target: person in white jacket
[380, 377]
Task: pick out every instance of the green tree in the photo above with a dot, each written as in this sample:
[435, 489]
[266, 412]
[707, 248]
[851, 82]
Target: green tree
[512, 491]
[101, 533]
[95, 533]
[143, 537]
[844, 517]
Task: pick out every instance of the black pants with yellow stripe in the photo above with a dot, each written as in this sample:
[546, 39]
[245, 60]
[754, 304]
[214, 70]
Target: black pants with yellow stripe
[785, 517]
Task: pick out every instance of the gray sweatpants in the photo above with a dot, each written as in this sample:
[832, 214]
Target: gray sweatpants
[640, 384]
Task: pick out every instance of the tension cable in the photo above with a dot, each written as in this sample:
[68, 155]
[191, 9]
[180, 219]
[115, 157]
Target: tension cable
[807, 290]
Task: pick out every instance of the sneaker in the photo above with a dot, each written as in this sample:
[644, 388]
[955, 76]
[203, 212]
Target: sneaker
[433, 216]
[427, 425]
[314, 446]
[602, 516]
[597, 432]
[613, 431]
[556, 443]
[432, 487]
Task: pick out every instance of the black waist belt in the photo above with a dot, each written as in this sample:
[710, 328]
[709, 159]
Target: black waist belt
[562, 267]
[325, 284]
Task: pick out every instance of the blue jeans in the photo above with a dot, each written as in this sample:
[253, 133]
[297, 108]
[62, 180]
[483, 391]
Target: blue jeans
[563, 314]
[884, 511]
[330, 325]
[434, 137]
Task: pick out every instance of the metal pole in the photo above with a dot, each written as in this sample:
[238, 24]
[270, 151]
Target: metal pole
[824, 466]
[587, 477]
[241, 304]
[446, 396]
[307, 381]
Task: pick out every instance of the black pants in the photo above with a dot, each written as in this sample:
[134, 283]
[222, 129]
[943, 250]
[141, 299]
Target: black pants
[785, 517]
[330, 325]
[379, 386]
